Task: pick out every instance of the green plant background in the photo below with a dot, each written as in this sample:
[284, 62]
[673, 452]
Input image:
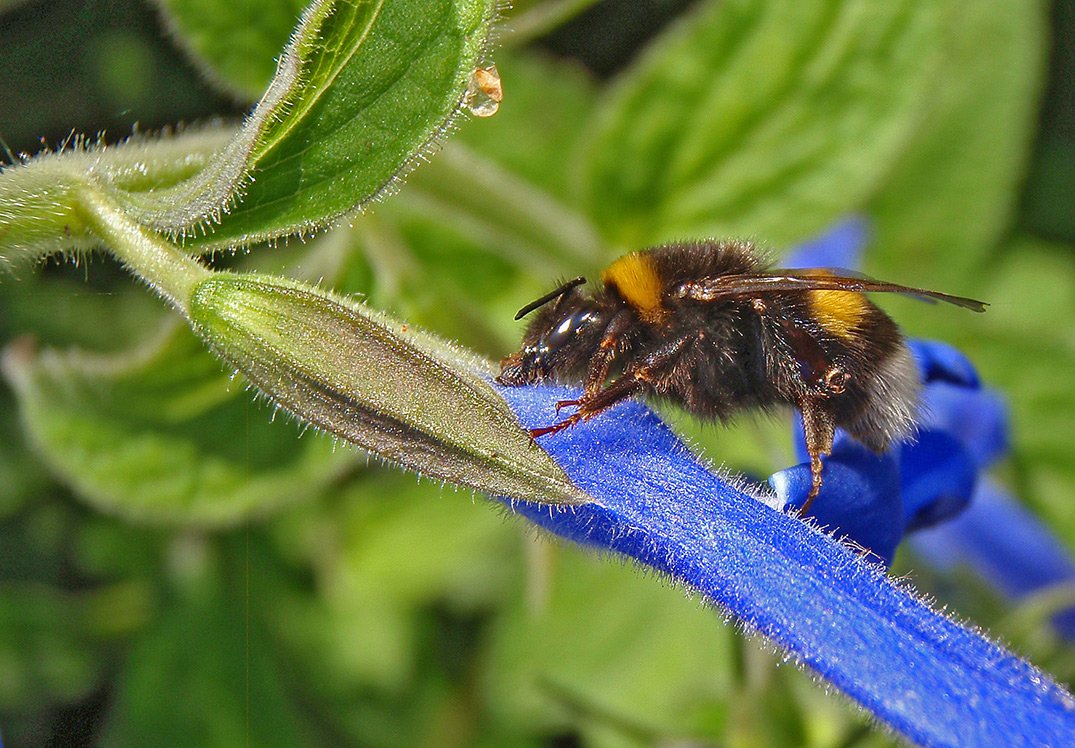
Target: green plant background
[178, 567]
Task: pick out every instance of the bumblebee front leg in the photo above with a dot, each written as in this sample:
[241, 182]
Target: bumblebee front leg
[621, 389]
[607, 351]
[644, 374]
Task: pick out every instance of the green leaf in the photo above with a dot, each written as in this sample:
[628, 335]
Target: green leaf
[162, 435]
[387, 549]
[45, 647]
[1022, 347]
[235, 43]
[21, 475]
[361, 92]
[205, 673]
[952, 194]
[761, 119]
[596, 639]
[98, 308]
[399, 393]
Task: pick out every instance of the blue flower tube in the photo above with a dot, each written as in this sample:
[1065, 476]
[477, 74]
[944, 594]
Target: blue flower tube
[966, 519]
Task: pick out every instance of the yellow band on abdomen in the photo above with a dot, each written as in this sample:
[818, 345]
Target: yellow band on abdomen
[839, 312]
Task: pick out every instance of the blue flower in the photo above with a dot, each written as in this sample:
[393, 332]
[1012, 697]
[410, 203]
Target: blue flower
[925, 676]
[876, 499]
[998, 538]
[1006, 545]
[820, 599]
[963, 430]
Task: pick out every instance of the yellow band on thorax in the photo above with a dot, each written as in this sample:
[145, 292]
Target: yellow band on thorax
[635, 276]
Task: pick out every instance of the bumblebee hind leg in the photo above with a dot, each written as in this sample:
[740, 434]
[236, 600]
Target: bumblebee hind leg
[820, 430]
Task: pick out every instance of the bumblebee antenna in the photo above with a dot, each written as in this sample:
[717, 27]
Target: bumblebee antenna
[549, 297]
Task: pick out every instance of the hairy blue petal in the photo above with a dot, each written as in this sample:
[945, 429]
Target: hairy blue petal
[932, 680]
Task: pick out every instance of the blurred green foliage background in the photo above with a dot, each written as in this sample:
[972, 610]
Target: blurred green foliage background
[178, 568]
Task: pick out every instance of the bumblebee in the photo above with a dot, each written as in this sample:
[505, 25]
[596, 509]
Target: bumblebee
[710, 327]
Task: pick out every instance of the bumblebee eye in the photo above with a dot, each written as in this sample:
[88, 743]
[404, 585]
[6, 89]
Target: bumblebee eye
[565, 331]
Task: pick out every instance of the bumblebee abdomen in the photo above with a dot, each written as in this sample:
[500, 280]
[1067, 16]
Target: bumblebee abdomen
[840, 313]
[881, 399]
[884, 406]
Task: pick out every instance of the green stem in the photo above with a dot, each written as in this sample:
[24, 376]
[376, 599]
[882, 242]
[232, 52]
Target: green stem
[168, 271]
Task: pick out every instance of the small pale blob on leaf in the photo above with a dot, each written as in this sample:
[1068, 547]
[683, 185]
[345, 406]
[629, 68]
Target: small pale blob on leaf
[485, 92]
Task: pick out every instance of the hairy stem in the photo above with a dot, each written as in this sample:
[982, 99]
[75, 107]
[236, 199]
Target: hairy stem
[163, 266]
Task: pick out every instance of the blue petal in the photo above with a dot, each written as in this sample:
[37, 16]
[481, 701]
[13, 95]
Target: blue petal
[860, 498]
[839, 247]
[1007, 545]
[930, 679]
[938, 479]
[976, 418]
[940, 362]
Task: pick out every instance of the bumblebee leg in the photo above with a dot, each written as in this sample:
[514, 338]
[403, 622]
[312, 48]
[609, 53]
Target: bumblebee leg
[820, 430]
[633, 380]
[649, 367]
[589, 407]
[561, 404]
[607, 350]
[601, 361]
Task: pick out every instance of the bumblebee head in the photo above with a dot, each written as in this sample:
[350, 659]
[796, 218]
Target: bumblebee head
[560, 339]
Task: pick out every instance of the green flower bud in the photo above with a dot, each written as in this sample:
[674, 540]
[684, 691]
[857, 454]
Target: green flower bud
[398, 393]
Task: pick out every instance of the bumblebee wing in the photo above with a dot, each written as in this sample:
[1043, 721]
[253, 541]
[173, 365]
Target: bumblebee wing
[752, 284]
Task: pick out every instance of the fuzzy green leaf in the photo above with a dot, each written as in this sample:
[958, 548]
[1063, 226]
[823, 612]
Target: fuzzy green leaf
[761, 119]
[360, 93]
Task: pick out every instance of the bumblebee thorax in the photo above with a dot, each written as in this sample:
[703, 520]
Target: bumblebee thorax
[637, 280]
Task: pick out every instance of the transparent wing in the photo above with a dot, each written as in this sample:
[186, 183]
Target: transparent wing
[773, 281]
